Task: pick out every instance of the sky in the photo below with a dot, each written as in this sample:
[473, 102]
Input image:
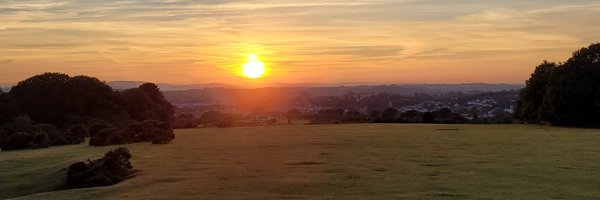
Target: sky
[310, 41]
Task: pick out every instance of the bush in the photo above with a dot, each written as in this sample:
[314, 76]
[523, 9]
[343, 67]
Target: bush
[80, 130]
[186, 121]
[19, 140]
[97, 127]
[153, 131]
[113, 168]
[41, 140]
[107, 136]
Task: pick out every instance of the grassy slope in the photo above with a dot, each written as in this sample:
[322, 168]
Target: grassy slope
[335, 161]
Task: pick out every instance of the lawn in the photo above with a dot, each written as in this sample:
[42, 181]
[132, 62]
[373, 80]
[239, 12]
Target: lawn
[358, 161]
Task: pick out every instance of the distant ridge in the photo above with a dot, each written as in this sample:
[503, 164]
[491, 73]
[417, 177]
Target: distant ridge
[123, 85]
[391, 88]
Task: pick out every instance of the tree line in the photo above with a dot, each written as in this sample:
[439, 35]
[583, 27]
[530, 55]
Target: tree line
[564, 94]
[56, 109]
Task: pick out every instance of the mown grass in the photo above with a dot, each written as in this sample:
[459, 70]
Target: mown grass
[361, 161]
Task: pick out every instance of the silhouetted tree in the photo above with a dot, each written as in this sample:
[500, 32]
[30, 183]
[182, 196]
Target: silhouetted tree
[572, 91]
[389, 115]
[529, 105]
[428, 117]
[8, 108]
[56, 101]
[113, 168]
[59, 99]
[293, 114]
[146, 102]
[186, 121]
[211, 117]
[374, 115]
[571, 94]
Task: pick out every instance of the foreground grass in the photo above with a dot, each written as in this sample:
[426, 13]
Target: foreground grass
[365, 161]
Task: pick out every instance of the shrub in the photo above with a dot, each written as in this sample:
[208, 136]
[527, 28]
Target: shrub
[97, 127]
[41, 140]
[113, 168]
[107, 136]
[19, 140]
[153, 131]
[80, 130]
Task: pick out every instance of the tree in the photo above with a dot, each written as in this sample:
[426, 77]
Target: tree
[566, 94]
[374, 115]
[59, 99]
[146, 102]
[293, 114]
[211, 117]
[529, 105]
[428, 117]
[389, 115]
[8, 108]
[570, 98]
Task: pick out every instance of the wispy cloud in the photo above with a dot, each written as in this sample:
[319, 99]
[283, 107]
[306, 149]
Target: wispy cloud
[206, 40]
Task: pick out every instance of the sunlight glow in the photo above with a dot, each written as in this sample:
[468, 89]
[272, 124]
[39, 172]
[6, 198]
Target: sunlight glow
[254, 68]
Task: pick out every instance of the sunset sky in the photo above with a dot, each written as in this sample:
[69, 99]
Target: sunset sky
[333, 41]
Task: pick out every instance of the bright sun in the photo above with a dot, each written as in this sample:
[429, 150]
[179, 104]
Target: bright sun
[254, 68]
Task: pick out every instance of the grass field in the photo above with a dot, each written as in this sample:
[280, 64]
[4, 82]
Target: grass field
[362, 161]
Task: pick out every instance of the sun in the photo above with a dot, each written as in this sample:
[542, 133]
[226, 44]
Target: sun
[254, 68]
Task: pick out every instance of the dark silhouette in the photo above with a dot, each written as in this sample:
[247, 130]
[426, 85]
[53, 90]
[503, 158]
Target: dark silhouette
[566, 94]
[61, 100]
[293, 114]
[388, 115]
[428, 117]
[23, 134]
[113, 168]
[146, 102]
[327, 116]
[443, 116]
[211, 117]
[186, 121]
[153, 131]
[529, 105]
[8, 108]
[56, 109]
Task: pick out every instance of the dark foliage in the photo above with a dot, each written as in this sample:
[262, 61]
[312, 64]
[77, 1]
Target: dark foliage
[59, 99]
[529, 105]
[186, 121]
[226, 120]
[146, 102]
[293, 114]
[211, 117]
[20, 140]
[113, 168]
[8, 108]
[327, 116]
[97, 127]
[388, 115]
[153, 131]
[444, 116]
[62, 100]
[566, 94]
[61, 106]
[428, 117]
[23, 134]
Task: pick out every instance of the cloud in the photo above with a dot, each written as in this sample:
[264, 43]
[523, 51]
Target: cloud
[210, 35]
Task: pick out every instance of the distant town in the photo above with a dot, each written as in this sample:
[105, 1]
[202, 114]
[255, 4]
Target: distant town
[469, 103]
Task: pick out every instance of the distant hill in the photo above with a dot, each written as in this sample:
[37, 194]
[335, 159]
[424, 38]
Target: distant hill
[344, 88]
[122, 85]
[274, 95]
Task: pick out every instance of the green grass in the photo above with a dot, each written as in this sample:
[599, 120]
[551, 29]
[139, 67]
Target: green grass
[362, 161]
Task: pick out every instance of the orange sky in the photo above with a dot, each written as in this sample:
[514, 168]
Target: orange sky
[369, 41]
